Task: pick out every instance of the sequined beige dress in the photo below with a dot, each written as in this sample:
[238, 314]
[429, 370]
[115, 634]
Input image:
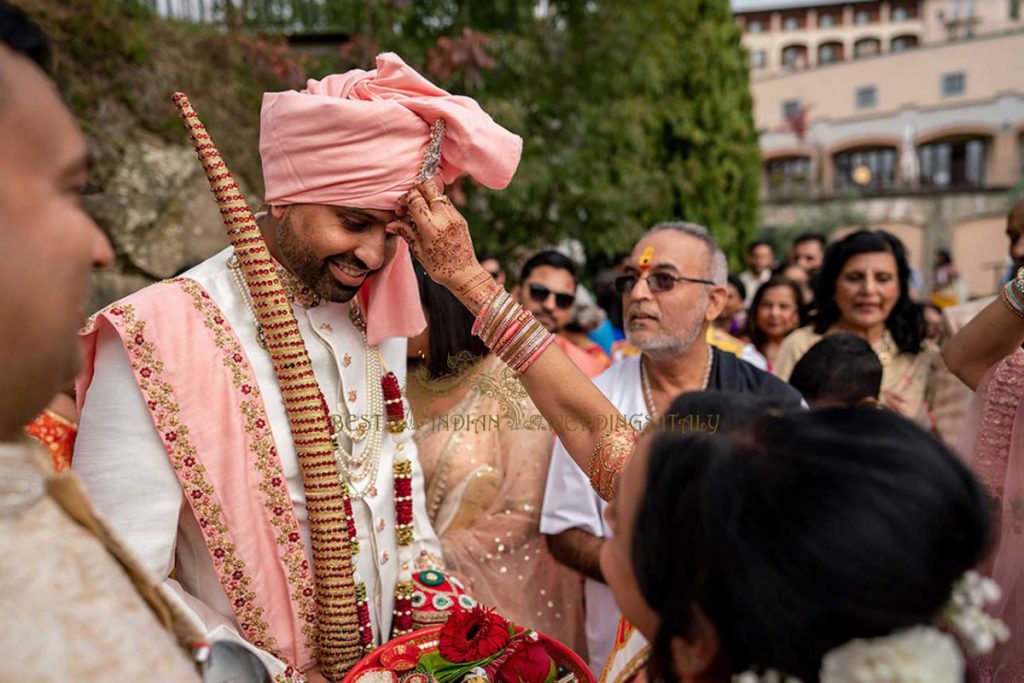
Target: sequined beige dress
[485, 450]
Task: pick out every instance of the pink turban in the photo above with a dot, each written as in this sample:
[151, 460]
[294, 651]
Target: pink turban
[357, 139]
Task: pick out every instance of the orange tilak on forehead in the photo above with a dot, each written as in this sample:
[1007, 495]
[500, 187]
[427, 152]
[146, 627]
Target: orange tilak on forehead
[645, 259]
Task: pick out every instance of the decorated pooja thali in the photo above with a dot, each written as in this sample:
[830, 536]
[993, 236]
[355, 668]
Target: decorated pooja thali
[475, 645]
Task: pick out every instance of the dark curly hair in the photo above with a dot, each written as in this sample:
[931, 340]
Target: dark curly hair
[905, 321]
[799, 532]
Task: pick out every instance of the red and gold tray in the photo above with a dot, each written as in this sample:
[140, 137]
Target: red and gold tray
[409, 647]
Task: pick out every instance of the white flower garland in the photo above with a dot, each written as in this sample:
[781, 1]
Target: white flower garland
[921, 654]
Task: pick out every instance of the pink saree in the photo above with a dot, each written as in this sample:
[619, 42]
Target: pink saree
[992, 442]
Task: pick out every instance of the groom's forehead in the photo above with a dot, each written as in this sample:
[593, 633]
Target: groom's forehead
[354, 213]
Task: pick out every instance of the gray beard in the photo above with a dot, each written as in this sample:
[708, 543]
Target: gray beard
[664, 345]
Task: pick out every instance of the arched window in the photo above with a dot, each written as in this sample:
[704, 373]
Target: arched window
[829, 53]
[903, 43]
[866, 47]
[953, 162]
[794, 56]
[865, 168]
[787, 174]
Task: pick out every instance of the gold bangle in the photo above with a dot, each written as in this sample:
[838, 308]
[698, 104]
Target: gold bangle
[611, 455]
[528, 327]
[1005, 295]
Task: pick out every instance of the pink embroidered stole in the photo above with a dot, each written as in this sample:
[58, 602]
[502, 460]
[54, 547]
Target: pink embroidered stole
[206, 406]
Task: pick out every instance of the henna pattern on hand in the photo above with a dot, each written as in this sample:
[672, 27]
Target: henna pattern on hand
[473, 283]
[469, 292]
[611, 455]
[477, 297]
[451, 251]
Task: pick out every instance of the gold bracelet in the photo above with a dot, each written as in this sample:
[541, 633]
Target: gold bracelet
[486, 316]
[491, 332]
[611, 455]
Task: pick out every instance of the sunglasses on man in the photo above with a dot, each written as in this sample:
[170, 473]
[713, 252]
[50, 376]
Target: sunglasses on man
[539, 294]
[657, 282]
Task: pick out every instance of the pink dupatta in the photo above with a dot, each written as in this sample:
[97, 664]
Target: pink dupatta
[992, 442]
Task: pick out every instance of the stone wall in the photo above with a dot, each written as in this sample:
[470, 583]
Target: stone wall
[160, 216]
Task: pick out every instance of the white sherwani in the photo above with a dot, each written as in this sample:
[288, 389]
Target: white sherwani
[122, 461]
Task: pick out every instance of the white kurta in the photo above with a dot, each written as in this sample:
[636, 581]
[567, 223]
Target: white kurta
[122, 461]
[570, 503]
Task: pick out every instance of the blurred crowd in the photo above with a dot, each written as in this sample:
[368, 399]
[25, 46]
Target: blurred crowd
[777, 308]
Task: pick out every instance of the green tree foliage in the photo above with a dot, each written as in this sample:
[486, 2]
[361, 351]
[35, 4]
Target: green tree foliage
[631, 113]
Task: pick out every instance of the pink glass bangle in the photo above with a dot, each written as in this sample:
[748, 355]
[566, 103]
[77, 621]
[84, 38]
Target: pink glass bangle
[533, 359]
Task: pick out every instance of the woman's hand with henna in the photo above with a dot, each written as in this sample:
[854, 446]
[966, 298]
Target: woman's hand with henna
[439, 238]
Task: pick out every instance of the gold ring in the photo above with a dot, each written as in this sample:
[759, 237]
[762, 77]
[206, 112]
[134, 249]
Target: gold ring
[442, 198]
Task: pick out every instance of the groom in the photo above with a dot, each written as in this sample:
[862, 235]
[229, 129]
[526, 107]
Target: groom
[186, 443]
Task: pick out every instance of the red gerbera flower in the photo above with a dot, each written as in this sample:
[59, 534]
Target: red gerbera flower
[472, 635]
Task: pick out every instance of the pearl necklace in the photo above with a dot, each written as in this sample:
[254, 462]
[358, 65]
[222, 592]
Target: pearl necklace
[239, 279]
[351, 468]
[646, 383]
[364, 467]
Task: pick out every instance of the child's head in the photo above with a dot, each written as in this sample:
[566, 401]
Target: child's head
[840, 370]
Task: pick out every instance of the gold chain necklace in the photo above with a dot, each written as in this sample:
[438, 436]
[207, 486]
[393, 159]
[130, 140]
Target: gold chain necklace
[883, 348]
[649, 395]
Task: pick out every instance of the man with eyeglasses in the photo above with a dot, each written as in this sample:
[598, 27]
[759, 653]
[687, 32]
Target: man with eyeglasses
[547, 288]
[673, 286]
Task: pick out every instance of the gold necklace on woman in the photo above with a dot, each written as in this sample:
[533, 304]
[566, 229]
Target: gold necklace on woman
[883, 348]
[645, 381]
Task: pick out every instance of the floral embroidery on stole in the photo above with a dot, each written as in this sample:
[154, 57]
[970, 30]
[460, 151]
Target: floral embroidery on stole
[171, 306]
